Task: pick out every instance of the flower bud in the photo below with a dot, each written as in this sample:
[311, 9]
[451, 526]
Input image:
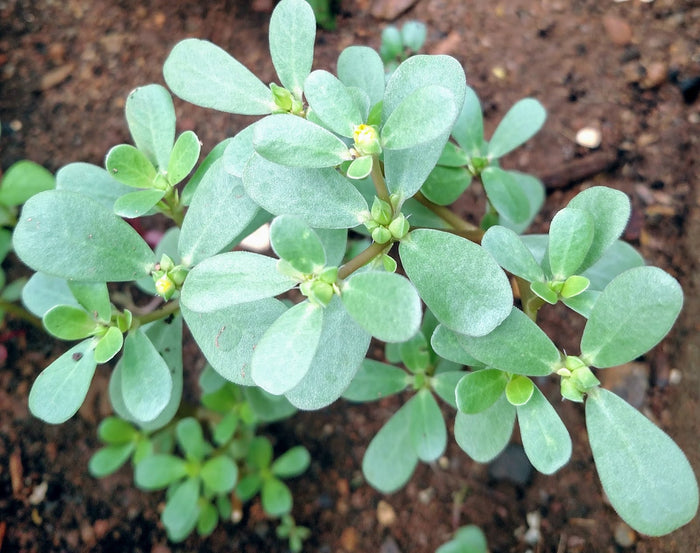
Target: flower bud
[381, 212]
[329, 275]
[367, 140]
[165, 287]
[381, 235]
[399, 227]
[282, 96]
[321, 292]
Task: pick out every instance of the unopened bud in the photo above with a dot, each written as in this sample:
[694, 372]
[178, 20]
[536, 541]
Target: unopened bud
[367, 140]
[381, 235]
[282, 96]
[165, 287]
[399, 227]
[382, 212]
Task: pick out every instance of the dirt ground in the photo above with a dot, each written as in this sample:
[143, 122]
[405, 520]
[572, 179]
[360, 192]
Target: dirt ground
[629, 69]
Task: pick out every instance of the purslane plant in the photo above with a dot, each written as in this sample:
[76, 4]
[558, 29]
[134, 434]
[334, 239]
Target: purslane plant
[334, 163]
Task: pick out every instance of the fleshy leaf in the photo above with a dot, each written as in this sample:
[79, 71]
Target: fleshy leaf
[634, 312]
[137, 204]
[519, 390]
[292, 462]
[109, 459]
[231, 278]
[511, 253]
[202, 73]
[468, 130]
[505, 195]
[644, 473]
[447, 344]
[109, 345]
[184, 157]
[428, 431]
[478, 390]
[228, 336]
[219, 474]
[385, 304]
[151, 118]
[216, 153]
[291, 35]
[22, 180]
[342, 347]
[619, 257]
[484, 435]
[218, 212]
[332, 103]
[545, 438]
[190, 438]
[68, 235]
[517, 345]
[610, 210]
[69, 323]
[182, 510]
[275, 497]
[59, 391]
[445, 184]
[159, 471]
[361, 66]
[146, 380]
[42, 292]
[91, 180]
[445, 383]
[570, 237]
[94, 297]
[285, 352]
[376, 380]
[295, 142]
[322, 198]
[459, 281]
[521, 122]
[391, 458]
[130, 166]
[534, 191]
[297, 243]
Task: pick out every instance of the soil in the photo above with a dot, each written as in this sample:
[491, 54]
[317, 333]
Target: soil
[624, 68]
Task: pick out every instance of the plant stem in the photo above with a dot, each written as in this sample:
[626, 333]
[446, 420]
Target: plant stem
[168, 309]
[378, 179]
[361, 259]
[20, 313]
[466, 229]
[530, 301]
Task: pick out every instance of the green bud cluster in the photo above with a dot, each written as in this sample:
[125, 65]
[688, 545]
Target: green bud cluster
[285, 100]
[168, 277]
[384, 225]
[577, 379]
[366, 139]
[321, 287]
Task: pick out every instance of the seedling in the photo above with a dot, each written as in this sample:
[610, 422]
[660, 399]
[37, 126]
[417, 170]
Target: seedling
[336, 162]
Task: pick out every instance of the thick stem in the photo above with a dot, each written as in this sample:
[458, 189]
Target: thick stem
[361, 259]
[378, 179]
[168, 309]
[530, 301]
[466, 229]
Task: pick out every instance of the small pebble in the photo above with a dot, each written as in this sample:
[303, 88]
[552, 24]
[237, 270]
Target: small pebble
[617, 29]
[386, 516]
[656, 75]
[349, 539]
[258, 241]
[589, 137]
[675, 376]
[499, 72]
[624, 535]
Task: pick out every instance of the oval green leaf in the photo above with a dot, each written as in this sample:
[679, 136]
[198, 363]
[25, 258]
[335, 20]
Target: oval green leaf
[521, 122]
[479, 390]
[428, 431]
[332, 103]
[519, 390]
[361, 66]
[69, 323]
[511, 253]
[292, 462]
[137, 204]
[297, 243]
[376, 380]
[505, 195]
[159, 471]
[22, 180]
[219, 474]
[150, 115]
[484, 435]
[570, 238]
[183, 158]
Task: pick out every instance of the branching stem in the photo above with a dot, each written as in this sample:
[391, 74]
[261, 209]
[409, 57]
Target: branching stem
[464, 228]
[170, 308]
[378, 179]
[361, 259]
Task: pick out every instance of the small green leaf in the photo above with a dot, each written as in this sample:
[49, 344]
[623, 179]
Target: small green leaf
[459, 281]
[445, 184]
[108, 460]
[130, 166]
[545, 438]
[634, 312]
[376, 380]
[275, 497]
[414, 353]
[22, 180]
[445, 383]
[68, 235]
[151, 118]
[216, 153]
[360, 167]
[447, 344]
[478, 390]
[159, 471]
[644, 473]
[182, 510]
[191, 439]
[413, 35]
[90, 180]
[109, 345]
[285, 352]
[570, 237]
[248, 486]
[137, 204]
[208, 518]
[468, 130]
[505, 195]
[543, 290]
[484, 435]
[291, 35]
[94, 297]
[69, 323]
[59, 391]
[259, 453]
[385, 304]
[297, 243]
[225, 428]
[114, 430]
[521, 122]
[610, 210]
[292, 462]
[268, 408]
[582, 303]
[332, 103]
[202, 73]
[573, 286]
[295, 142]
[183, 158]
[468, 539]
[519, 390]
[219, 474]
[534, 191]
[391, 458]
[146, 380]
[511, 253]
[428, 431]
